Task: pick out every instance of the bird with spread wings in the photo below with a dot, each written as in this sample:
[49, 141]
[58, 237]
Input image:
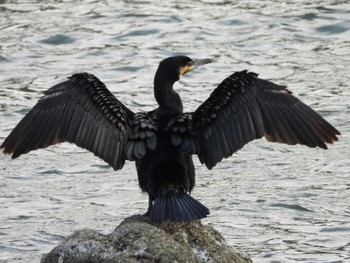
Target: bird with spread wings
[244, 107]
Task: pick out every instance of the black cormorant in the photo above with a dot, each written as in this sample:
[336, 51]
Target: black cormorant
[242, 108]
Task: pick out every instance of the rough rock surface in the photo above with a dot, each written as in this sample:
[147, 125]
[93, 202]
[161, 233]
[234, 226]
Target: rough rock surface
[136, 239]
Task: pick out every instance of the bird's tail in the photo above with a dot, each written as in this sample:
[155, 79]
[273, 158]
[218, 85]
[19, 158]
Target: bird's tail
[176, 206]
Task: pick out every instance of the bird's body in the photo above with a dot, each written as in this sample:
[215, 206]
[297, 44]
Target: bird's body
[162, 142]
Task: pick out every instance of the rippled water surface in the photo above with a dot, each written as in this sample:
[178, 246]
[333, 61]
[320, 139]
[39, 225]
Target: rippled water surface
[274, 203]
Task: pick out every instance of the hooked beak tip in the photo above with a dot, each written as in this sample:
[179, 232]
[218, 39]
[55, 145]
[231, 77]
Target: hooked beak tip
[199, 62]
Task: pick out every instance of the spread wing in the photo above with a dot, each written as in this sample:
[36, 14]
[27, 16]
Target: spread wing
[243, 108]
[83, 111]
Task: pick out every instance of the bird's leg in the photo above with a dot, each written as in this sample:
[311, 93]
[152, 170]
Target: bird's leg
[150, 205]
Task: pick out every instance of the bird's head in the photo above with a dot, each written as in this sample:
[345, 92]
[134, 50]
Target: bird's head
[176, 67]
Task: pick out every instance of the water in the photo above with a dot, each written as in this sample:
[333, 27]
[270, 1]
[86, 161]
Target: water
[274, 203]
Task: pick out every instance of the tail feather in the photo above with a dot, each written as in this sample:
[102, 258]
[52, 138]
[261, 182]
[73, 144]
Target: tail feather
[177, 206]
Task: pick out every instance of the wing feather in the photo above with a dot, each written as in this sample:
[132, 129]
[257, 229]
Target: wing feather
[83, 111]
[285, 131]
[144, 135]
[243, 108]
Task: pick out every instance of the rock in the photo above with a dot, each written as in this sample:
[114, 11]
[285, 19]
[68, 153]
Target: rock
[137, 239]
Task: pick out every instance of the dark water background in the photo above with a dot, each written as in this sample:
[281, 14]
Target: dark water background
[274, 203]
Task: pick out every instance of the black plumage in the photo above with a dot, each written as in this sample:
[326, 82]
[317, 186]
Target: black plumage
[242, 108]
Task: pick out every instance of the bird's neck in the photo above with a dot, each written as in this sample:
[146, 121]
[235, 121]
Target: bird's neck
[165, 95]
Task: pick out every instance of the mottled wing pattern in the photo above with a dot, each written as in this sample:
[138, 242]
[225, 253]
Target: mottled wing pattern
[80, 110]
[143, 136]
[243, 108]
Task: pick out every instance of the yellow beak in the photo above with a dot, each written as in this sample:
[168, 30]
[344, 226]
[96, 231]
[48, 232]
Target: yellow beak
[193, 64]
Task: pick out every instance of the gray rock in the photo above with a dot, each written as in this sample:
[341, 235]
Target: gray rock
[137, 239]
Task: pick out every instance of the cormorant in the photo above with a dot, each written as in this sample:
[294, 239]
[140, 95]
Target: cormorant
[242, 108]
